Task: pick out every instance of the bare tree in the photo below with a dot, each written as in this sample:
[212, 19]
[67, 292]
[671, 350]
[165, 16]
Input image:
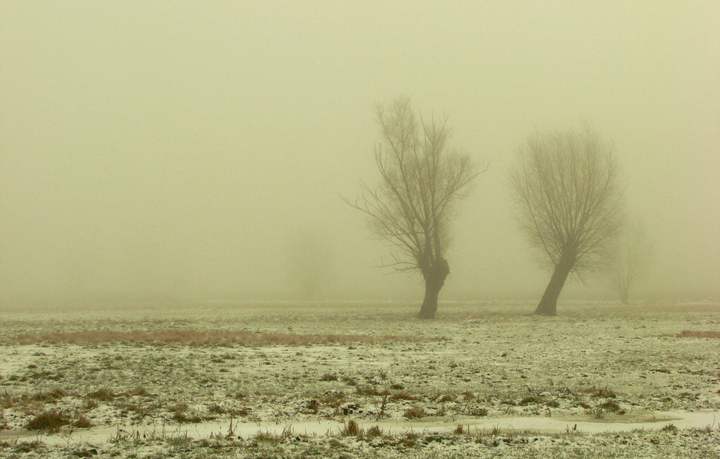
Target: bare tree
[309, 262]
[421, 180]
[631, 259]
[566, 185]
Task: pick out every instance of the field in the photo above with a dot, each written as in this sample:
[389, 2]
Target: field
[352, 380]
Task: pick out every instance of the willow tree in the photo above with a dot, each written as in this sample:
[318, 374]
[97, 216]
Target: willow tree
[566, 185]
[421, 181]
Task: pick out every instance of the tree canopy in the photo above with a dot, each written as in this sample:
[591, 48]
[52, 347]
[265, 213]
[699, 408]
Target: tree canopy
[421, 181]
[567, 188]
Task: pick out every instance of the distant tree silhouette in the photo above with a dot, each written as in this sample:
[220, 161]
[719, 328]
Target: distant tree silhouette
[631, 260]
[412, 207]
[310, 263]
[566, 185]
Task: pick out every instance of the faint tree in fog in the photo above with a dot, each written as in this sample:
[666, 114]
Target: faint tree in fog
[421, 180]
[309, 263]
[566, 185]
[632, 257]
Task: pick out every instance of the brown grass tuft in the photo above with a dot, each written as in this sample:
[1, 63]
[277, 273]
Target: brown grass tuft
[402, 395]
[373, 432]
[52, 396]
[351, 429]
[476, 411]
[698, 334]
[104, 395]
[600, 392]
[371, 391]
[270, 437]
[414, 413]
[83, 422]
[49, 420]
[141, 392]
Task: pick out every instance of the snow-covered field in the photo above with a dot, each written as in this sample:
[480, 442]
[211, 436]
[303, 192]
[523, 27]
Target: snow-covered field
[599, 380]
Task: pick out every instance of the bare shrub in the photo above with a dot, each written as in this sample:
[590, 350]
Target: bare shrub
[476, 411]
[313, 405]
[333, 399]
[49, 420]
[612, 406]
[266, 436]
[270, 437]
[351, 429]
[350, 381]
[670, 428]
[410, 439]
[402, 395]
[26, 447]
[416, 412]
[51, 396]
[182, 418]
[374, 432]
[83, 422]
[91, 404]
[6, 400]
[216, 409]
[531, 400]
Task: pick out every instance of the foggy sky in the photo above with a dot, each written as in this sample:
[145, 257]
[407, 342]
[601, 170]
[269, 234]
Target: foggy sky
[179, 148]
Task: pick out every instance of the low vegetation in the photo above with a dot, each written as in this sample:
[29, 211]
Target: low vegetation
[50, 421]
[203, 338]
[610, 370]
[698, 334]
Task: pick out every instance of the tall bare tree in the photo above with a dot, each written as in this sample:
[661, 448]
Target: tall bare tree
[631, 259]
[421, 180]
[566, 185]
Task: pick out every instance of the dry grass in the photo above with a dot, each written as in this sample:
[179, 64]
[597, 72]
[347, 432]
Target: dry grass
[698, 334]
[271, 437]
[605, 392]
[416, 412]
[104, 395]
[402, 395]
[371, 391]
[49, 420]
[351, 429]
[203, 338]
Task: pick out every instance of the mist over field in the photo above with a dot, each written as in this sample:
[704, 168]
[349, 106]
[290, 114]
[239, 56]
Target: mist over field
[197, 150]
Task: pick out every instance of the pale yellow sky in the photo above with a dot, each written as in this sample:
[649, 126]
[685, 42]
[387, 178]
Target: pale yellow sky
[175, 148]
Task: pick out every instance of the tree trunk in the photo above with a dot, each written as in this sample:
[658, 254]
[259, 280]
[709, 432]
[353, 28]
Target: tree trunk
[434, 281]
[548, 303]
[624, 295]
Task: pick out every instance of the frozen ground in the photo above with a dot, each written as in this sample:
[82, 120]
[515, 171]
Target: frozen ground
[599, 380]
